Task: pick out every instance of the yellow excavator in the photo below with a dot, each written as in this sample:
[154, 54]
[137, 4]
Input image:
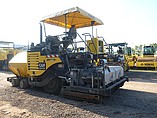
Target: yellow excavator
[67, 63]
[147, 60]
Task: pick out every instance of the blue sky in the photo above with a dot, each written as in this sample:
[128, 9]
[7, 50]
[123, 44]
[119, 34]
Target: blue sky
[132, 21]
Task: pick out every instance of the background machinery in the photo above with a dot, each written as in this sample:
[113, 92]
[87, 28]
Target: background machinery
[7, 51]
[148, 59]
[118, 55]
[131, 57]
[64, 64]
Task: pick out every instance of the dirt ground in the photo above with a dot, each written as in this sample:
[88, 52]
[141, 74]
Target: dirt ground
[136, 99]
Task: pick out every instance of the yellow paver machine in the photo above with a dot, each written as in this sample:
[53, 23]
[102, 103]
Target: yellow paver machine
[67, 63]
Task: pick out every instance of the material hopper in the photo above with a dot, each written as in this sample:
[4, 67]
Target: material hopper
[18, 64]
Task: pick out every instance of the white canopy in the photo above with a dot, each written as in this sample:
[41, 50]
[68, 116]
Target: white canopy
[73, 16]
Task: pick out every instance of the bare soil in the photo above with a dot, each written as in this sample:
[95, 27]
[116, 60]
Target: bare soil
[136, 99]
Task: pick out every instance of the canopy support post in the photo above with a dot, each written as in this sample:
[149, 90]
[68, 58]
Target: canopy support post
[65, 22]
[92, 23]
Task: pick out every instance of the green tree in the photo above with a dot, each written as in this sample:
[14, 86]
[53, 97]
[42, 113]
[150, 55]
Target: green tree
[154, 45]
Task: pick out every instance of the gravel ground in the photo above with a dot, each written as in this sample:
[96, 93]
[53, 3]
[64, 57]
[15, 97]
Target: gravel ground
[136, 99]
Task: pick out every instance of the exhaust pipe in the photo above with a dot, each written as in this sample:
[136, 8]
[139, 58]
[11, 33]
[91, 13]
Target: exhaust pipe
[41, 34]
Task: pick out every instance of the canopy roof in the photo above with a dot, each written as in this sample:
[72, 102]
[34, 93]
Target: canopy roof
[74, 16]
[117, 44]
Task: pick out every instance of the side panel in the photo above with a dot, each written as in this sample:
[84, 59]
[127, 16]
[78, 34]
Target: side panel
[115, 73]
[37, 64]
[91, 46]
[97, 48]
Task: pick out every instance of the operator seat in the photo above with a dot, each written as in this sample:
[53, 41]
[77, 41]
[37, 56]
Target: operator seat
[72, 34]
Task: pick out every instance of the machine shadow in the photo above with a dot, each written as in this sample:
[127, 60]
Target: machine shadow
[121, 103]
[142, 76]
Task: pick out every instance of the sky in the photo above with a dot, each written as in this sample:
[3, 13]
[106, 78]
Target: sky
[131, 21]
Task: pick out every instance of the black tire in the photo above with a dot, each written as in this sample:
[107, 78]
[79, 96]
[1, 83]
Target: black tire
[23, 83]
[54, 86]
[15, 82]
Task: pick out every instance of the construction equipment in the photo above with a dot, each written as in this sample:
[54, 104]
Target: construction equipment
[147, 60]
[59, 65]
[118, 53]
[131, 57]
[7, 51]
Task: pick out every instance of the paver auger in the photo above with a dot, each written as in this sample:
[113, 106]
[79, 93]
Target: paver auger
[60, 66]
